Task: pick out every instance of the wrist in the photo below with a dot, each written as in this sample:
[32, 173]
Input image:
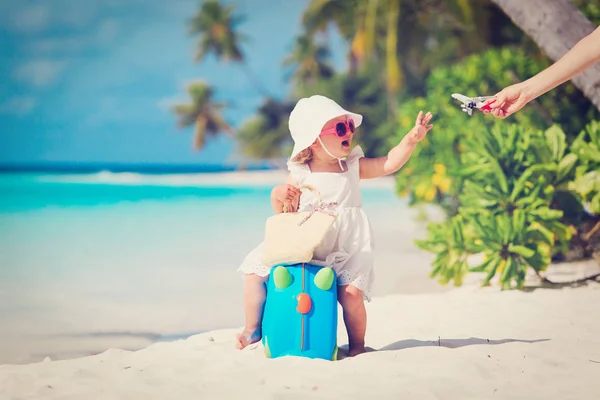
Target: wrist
[409, 138]
[531, 89]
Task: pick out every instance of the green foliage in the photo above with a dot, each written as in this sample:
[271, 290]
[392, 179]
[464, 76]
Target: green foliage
[216, 27]
[266, 134]
[516, 168]
[589, 8]
[452, 244]
[488, 72]
[480, 74]
[511, 177]
[202, 112]
[507, 245]
[309, 61]
[587, 175]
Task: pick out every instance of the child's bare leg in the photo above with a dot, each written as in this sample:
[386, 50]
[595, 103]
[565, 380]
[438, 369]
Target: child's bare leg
[254, 300]
[355, 317]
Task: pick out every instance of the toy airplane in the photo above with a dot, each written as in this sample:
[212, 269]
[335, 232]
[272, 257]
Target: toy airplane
[469, 103]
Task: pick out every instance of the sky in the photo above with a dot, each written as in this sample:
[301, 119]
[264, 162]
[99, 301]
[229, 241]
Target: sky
[92, 81]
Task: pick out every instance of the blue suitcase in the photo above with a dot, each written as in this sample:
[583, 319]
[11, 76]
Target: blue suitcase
[300, 314]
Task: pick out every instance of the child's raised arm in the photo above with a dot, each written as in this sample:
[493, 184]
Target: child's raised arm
[397, 157]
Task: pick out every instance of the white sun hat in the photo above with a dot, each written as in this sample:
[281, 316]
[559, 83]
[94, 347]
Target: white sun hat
[308, 117]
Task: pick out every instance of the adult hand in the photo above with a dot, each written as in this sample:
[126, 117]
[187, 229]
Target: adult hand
[508, 101]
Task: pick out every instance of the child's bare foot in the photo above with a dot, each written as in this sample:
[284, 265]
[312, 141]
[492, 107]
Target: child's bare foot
[247, 337]
[356, 350]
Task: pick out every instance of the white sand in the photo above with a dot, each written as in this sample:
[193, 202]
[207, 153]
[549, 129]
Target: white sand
[468, 343]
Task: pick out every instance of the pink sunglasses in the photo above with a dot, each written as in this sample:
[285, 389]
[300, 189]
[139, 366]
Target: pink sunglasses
[341, 129]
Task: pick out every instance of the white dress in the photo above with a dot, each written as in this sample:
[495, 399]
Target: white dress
[348, 246]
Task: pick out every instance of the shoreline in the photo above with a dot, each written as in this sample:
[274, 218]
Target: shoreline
[259, 178]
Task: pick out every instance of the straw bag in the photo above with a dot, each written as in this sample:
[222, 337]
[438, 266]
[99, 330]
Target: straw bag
[292, 237]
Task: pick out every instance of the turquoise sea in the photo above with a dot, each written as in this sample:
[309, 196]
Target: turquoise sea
[91, 261]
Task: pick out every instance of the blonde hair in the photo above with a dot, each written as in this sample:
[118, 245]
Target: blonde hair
[304, 156]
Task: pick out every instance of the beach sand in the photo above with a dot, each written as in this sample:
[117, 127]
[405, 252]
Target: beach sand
[430, 342]
[467, 343]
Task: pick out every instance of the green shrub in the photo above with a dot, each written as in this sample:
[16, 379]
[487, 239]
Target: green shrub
[587, 175]
[512, 177]
[430, 174]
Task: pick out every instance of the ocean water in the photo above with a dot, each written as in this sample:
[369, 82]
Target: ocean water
[89, 262]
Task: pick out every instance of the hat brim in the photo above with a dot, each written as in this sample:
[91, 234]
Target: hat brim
[309, 140]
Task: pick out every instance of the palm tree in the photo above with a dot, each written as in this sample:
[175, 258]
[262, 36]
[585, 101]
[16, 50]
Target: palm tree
[413, 36]
[266, 135]
[202, 112]
[411, 27]
[394, 76]
[309, 60]
[319, 14]
[556, 30]
[216, 27]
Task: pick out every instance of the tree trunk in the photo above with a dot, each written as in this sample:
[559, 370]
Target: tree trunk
[255, 80]
[556, 26]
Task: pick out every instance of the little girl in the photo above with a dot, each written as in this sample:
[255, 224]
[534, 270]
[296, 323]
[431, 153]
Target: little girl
[322, 132]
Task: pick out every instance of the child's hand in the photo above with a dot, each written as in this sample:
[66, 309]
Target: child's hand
[286, 193]
[418, 132]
